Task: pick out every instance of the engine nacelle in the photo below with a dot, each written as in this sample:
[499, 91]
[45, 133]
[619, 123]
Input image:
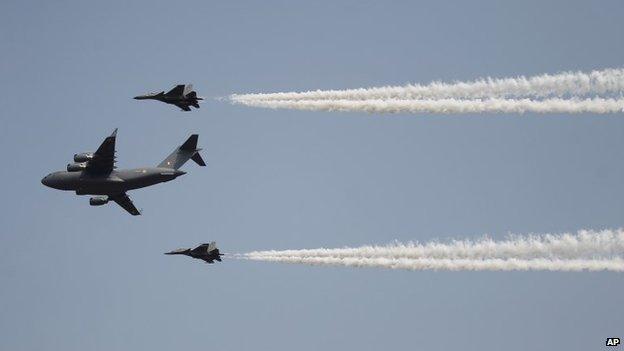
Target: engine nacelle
[76, 167]
[83, 157]
[98, 200]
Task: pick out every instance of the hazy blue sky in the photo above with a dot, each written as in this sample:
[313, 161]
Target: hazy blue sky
[75, 277]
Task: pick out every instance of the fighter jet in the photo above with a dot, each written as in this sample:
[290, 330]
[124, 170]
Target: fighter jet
[182, 96]
[206, 252]
[94, 173]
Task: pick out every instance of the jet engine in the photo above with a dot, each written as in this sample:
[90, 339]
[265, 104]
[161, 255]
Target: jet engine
[76, 167]
[83, 157]
[98, 200]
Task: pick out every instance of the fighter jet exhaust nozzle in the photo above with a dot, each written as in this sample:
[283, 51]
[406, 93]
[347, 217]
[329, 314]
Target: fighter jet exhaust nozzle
[98, 200]
[83, 157]
[76, 167]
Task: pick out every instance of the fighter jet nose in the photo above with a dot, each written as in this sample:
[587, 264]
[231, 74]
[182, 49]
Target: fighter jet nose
[137, 97]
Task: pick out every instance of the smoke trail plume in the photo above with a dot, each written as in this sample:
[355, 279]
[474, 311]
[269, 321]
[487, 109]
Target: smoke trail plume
[608, 81]
[572, 92]
[595, 105]
[585, 250]
[492, 264]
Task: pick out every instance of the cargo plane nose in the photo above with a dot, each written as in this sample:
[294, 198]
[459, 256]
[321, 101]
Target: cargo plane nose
[46, 180]
[54, 181]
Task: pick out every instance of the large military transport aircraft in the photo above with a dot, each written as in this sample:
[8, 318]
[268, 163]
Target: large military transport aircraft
[206, 252]
[182, 96]
[94, 173]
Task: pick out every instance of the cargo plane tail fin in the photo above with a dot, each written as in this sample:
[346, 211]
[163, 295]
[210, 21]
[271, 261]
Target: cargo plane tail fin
[183, 153]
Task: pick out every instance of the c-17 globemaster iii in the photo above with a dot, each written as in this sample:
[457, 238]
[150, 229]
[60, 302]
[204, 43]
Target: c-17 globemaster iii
[94, 173]
[206, 252]
[182, 96]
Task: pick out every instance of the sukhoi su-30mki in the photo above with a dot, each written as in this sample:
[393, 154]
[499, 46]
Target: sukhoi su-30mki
[207, 252]
[182, 96]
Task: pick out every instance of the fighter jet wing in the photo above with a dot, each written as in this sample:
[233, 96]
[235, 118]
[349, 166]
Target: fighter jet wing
[201, 249]
[177, 91]
[184, 107]
[103, 160]
[124, 201]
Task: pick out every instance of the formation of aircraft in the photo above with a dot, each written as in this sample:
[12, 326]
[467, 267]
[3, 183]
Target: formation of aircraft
[95, 173]
[182, 96]
[206, 252]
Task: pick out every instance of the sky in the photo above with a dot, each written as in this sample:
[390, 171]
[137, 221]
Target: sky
[76, 277]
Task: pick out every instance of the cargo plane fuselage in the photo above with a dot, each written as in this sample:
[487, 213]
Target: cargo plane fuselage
[85, 183]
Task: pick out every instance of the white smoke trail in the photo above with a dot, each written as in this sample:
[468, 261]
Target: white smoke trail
[446, 106]
[490, 264]
[585, 250]
[584, 244]
[600, 82]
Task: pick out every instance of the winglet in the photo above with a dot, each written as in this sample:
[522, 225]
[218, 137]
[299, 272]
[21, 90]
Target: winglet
[114, 133]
